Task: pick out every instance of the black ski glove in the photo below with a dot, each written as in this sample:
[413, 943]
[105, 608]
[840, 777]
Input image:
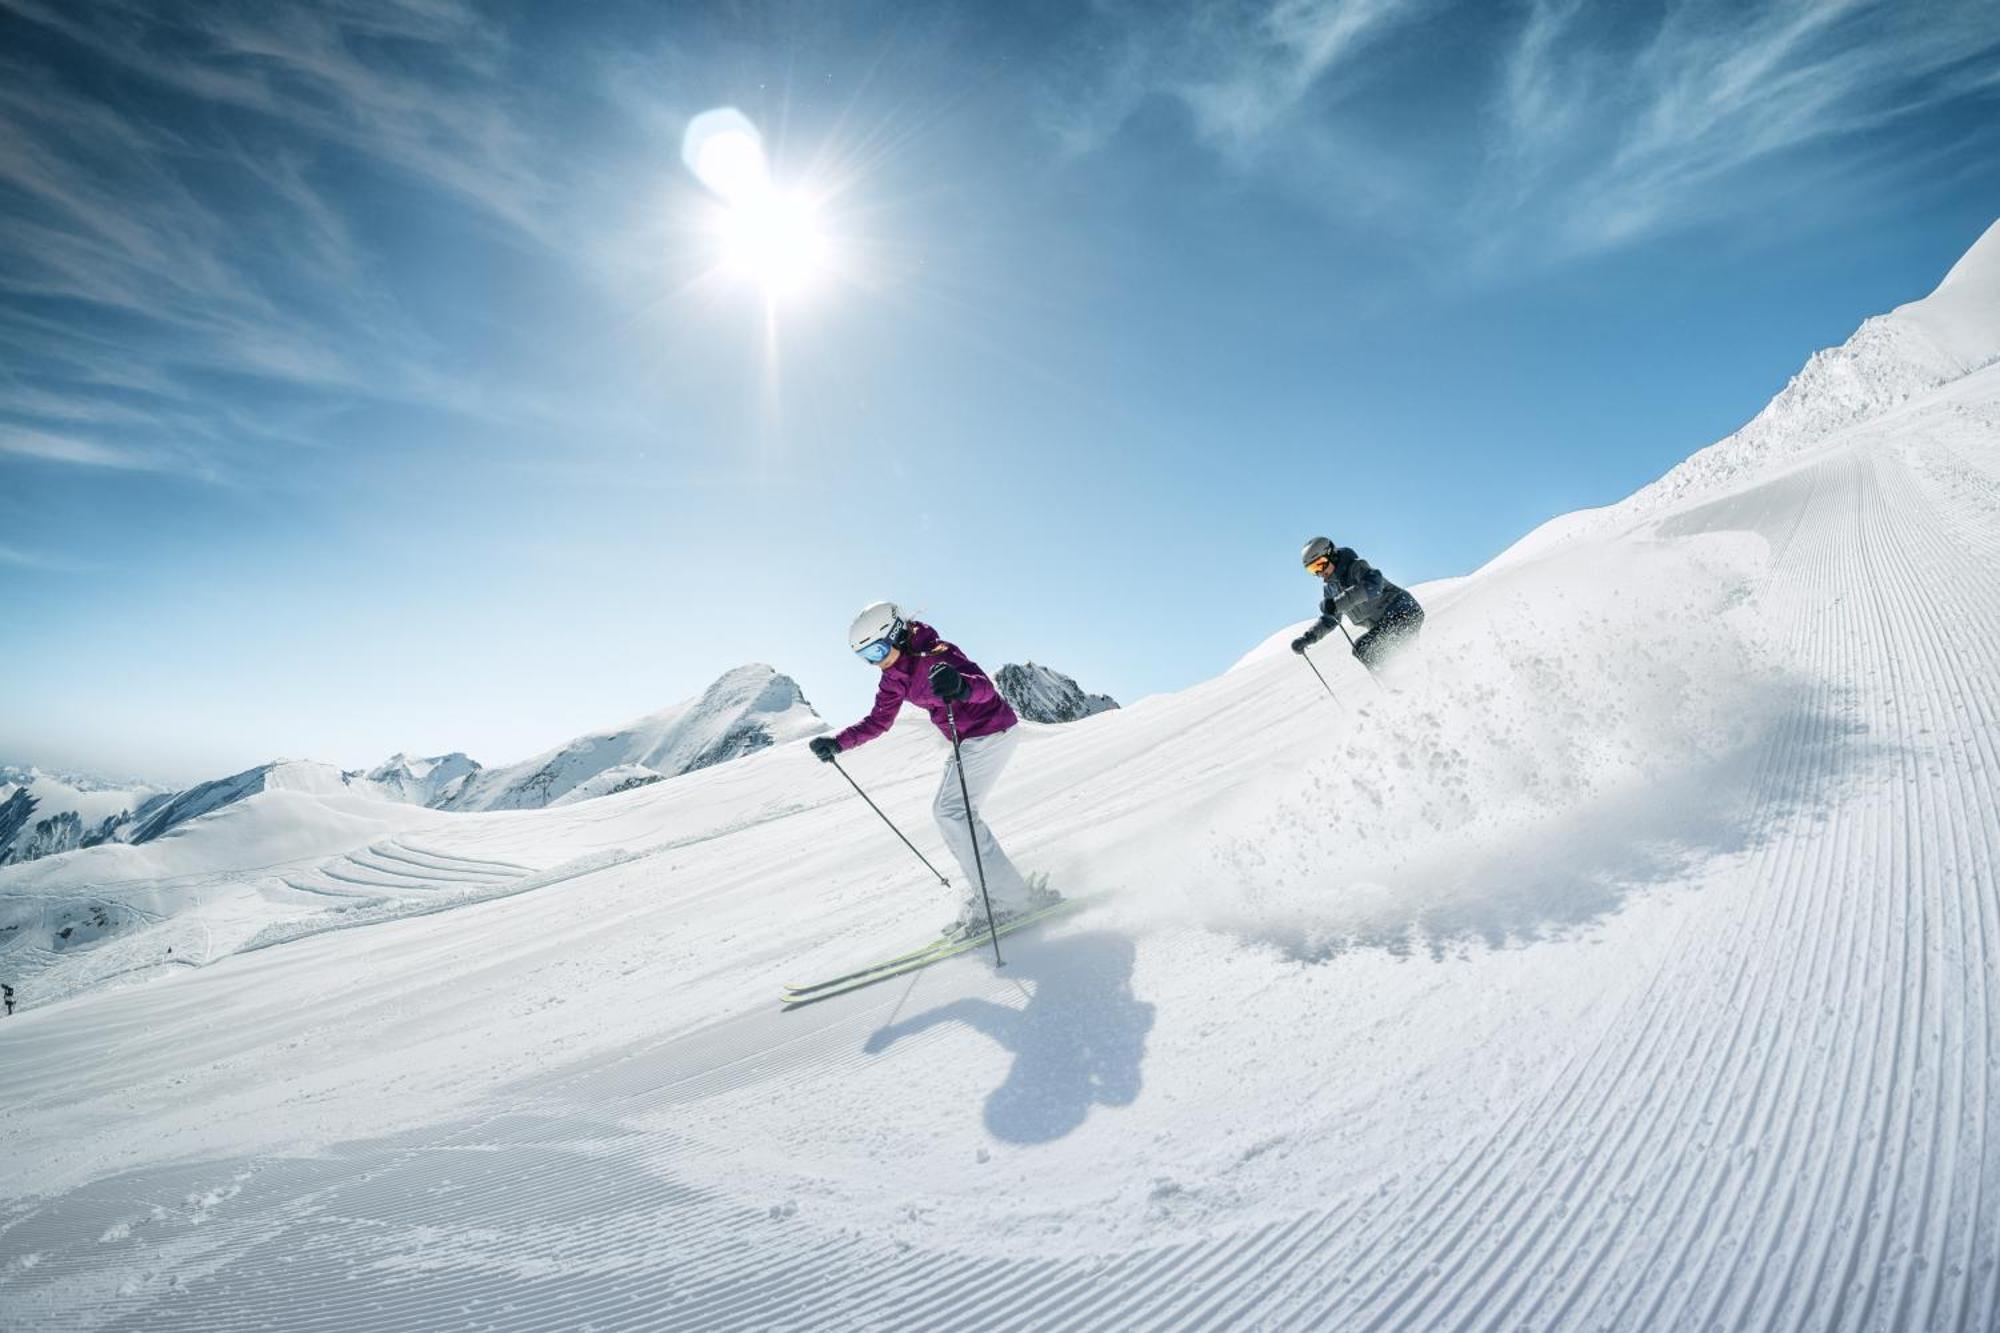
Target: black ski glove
[946, 683]
[1303, 642]
[824, 748]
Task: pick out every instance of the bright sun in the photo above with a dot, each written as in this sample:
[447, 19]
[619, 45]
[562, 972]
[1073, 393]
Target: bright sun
[775, 240]
[769, 236]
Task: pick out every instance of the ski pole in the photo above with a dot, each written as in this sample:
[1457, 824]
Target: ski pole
[972, 832]
[891, 823]
[1322, 679]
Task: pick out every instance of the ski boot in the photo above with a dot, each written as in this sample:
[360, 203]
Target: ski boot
[972, 923]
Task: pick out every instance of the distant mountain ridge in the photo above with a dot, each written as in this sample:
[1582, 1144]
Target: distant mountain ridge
[44, 813]
[746, 710]
[24, 774]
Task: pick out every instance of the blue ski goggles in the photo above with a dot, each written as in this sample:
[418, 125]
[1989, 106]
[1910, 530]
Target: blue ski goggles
[876, 653]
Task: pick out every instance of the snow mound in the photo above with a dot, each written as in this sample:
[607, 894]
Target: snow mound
[746, 710]
[1043, 694]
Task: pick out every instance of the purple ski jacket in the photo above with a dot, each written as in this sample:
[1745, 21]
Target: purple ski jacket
[981, 713]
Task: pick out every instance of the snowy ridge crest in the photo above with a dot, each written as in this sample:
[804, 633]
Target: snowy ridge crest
[1889, 360]
[300, 775]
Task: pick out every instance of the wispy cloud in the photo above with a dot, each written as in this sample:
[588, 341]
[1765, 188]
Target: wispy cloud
[1243, 70]
[1280, 55]
[83, 453]
[199, 222]
[1720, 104]
[332, 70]
[1584, 126]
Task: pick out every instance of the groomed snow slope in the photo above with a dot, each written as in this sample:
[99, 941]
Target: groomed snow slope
[1632, 967]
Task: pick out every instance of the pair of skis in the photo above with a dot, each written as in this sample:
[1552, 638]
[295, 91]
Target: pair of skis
[916, 959]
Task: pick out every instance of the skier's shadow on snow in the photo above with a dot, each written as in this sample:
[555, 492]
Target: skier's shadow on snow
[1077, 1042]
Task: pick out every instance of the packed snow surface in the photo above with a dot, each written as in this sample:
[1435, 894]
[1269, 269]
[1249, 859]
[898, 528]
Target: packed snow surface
[1629, 964]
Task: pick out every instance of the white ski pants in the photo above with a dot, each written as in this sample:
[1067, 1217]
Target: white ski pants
[984, 757]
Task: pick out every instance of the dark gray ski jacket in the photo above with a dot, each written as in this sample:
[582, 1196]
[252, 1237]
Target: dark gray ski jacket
[1357, 590]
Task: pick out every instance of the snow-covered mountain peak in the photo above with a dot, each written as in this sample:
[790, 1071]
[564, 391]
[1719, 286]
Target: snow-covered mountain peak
[744, 698]
[1043, 694]
[747, 709]
[755, 687]
[398, 762]
[426, 781]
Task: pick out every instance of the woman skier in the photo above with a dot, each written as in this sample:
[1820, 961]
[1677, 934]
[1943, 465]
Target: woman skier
[1356, 589]
[920, 668]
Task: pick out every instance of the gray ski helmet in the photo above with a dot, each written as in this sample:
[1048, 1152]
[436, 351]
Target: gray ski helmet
[1319, 548]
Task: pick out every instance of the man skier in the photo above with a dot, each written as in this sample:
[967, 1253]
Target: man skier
[1357, 590]
[920, 668]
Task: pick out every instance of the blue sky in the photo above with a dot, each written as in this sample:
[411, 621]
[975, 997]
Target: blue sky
[366, 382]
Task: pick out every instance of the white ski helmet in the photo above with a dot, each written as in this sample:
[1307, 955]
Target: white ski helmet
[881, 623]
